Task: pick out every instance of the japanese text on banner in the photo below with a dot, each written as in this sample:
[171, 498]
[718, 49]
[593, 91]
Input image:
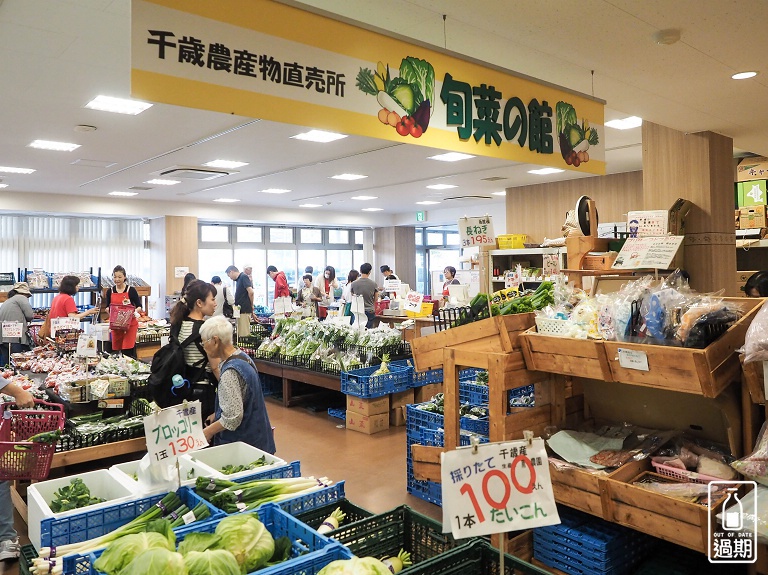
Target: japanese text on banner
[499, 487]
[476, 232]
[174, 431]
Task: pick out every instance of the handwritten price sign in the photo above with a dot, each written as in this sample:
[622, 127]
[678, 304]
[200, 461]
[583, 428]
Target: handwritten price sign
[476, 232]
[11, 329]
[174, 431]
[500, 487]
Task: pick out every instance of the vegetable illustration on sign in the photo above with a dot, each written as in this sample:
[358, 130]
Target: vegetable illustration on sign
[575, 138]
[405, 99]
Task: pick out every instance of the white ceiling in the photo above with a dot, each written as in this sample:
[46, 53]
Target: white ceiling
[56, 55]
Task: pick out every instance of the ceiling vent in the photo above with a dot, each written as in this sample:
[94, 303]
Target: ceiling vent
[140, 188]
[493, 179]
[190, 173]
[467, 198]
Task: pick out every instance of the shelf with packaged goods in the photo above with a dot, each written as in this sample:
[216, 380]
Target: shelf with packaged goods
[491, 259]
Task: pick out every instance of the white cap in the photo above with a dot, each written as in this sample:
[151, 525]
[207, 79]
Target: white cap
[246, 266]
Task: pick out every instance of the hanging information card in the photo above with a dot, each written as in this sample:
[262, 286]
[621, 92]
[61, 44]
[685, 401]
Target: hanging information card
[648, 253]
[476, 231]
[174, 431]
[413, 301]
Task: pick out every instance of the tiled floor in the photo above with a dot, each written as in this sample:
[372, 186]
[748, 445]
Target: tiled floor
[372, 466]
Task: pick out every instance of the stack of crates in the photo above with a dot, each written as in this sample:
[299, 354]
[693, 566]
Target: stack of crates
[585, 545]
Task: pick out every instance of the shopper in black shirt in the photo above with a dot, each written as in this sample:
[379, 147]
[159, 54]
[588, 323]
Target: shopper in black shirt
[388, 275]
[243, 290]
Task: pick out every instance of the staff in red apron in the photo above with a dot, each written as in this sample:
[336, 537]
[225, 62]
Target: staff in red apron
[123, 294]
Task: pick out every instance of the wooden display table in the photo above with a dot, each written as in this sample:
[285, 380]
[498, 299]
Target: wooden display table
[291, 375]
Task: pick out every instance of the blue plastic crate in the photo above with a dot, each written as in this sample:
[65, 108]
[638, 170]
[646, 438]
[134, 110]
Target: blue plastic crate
[587, 533]
[617, 562]
[362, 382]
[337, 413]
[620, 549]
[473, 393]
[418, 418]
[421, 378]
[308, 545]
[469, 373]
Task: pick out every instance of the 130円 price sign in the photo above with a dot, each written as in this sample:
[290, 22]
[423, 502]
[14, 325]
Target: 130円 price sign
[174, 431]
[496, 488]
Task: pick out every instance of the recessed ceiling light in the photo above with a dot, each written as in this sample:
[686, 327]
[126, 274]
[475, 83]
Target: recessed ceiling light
[626, 123]
[161, 182]
[274, 191]
[503, 193]
[126, 194]
[348, 177]
[427, 203]
[8, 170]
[441, 186]
[450, 157]
[3, 185]
[310, 205]
[319, 136]
[372, 209]
[55, 146]
[225, 164]
[365, 198]
[545, 171]
[118, 105]
[226, 200]
[744, 75]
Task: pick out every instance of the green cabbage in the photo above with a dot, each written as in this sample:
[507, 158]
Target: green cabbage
[199, 542]
[125, 549]
[356, 566]
[247, 539]
[212, 562]
[421, 75]
[155, 562]
[566, 116]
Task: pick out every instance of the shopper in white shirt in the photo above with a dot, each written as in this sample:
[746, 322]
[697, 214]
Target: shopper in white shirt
[222, 294]
[346, 293]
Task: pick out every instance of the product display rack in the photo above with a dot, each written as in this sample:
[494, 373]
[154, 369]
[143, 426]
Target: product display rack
[507, 259]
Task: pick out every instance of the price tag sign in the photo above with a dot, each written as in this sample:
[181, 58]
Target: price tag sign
[86, 345]
[174, 431]
[633, 359]
[64, 323]
[476, 232]
[496, 488]
[11, 329]
[391, 285]
[283, 305]
[413, 301]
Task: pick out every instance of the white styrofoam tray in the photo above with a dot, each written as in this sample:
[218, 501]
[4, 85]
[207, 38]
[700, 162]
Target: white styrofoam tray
[237, 453]
[189, 469]
[101, 484]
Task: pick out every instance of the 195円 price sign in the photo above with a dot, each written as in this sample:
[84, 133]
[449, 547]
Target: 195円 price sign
[497, 488]
[174, 431]
[476, 231]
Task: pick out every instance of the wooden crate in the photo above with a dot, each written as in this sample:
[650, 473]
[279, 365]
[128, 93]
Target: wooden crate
[567, 356]
[755, 380]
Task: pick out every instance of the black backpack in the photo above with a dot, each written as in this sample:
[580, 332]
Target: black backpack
[227, 309]
[167, 362]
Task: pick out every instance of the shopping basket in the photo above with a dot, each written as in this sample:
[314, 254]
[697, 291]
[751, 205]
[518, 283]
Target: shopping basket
[120, 317]
[21, 459]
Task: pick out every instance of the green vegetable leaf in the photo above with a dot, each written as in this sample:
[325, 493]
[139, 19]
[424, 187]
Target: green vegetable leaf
[593, 138]
[421, 75]
[156, 561]
[282, 551]
[247, 539]
[124, 550]
[212, 562]
[366, 83]
[199, 542]
[566, 115]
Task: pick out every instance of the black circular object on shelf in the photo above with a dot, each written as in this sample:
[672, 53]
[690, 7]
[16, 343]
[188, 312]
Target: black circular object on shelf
[582, 213]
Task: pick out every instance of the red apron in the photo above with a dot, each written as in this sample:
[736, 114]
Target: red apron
[123, 339]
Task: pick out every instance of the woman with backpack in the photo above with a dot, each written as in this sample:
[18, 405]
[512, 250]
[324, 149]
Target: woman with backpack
[241, 414]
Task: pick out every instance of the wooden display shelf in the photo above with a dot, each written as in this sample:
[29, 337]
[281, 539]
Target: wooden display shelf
[293, 374]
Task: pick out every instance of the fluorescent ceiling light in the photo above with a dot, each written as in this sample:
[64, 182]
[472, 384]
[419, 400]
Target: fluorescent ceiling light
[348, 177]
[126, 194]
[118, 105]
[365, 198]
[3, 185]
[427, 203]
[56, 146]
[744, 75]
[372, 209]
[504, 193]
[8, 170]
[441, 186]
[545, 171]
[226, 200]
[225, 164]
[319, 136]
[309, 205]
[274, 191]
[161, 182]
[450, 157]
[626, 123]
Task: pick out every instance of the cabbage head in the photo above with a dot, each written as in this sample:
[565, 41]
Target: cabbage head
[212, 562]
[125, 549]
[356, 566]
[199, 542]
[156, 561]
[247, 539]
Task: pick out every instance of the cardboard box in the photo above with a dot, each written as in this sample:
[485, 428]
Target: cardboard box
[375, 406]
[368, 424]
[752, 217]
[752, 193]
[397, 416]
[752, 168]
[738, 223]
[425, 392]
[599, 261]
[400, 399]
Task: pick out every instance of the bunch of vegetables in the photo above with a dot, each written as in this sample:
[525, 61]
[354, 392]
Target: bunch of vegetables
[73, 496]
[234, 497]
[121, 365]
[93, 423]
[384, 367]
[405, 99]
[230, 469]
[575, 139]
[437, 405]
[368, 565]
[169, 508]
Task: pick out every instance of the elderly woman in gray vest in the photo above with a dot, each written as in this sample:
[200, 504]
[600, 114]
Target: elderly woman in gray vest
[240, 411]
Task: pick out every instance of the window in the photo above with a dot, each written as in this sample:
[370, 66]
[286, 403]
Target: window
[309, 236]
[217, 234]
[214, 262]
[314, 258]
[419, 237]
[358, 236]
[248, 234]
[281, 235]
[258, 259]
[284, 261]
[435, 238]
[338, 236]
[341, 260]
[452, 239]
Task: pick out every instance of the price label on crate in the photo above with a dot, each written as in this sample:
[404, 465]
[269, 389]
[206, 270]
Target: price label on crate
[476, 231]
[496, 488]
[64, 323]
[11, 329]
[174, 431]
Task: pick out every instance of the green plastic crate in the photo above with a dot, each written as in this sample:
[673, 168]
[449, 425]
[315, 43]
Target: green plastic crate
[28, 554]
[474, 558]
[315, 517]
[385, 534]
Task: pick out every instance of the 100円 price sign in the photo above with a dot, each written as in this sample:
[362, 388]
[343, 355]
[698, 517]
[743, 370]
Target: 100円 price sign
[174, 431]
[496, 488]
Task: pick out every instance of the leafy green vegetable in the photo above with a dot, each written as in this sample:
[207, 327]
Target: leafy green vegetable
[247, 539]
[156, 561]
[212, 562]
[73, 496]
[356, 566]
[199, 542]
[574, 133]
[592, 138]
[566, 116]
[365, 82]
[421, 75]
[407, 95]
[282, 550]
[121, 552]
[164, 528]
